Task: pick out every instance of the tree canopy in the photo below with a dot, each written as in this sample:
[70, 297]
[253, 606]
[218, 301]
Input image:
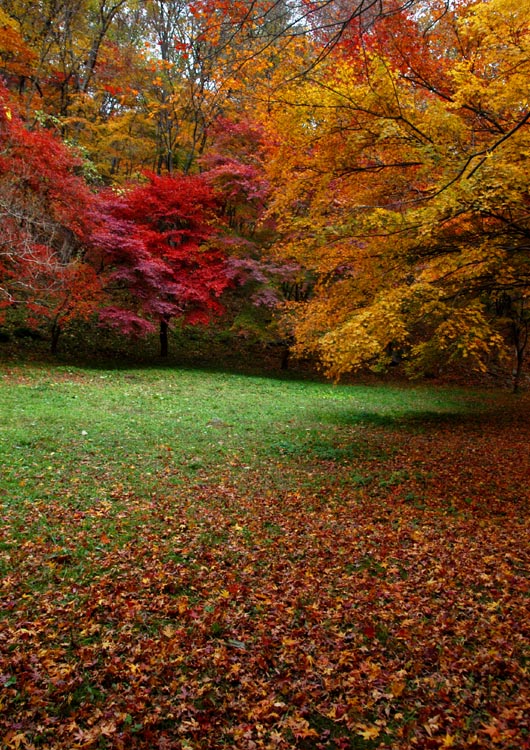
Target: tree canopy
[382, 144]
[400, 169]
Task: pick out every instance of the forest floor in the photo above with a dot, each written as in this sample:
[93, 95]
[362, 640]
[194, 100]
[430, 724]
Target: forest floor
[198, 560]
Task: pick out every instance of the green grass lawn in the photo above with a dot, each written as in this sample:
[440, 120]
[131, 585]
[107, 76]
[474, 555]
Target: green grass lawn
[194, 559]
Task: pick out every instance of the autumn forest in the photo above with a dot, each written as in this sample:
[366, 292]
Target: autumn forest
[264, 313]
[350, 178]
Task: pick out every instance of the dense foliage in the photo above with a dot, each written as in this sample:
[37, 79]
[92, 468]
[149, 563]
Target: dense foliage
[378, 148]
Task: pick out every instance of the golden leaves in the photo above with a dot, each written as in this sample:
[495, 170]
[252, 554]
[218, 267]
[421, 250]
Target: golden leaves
[408, 200]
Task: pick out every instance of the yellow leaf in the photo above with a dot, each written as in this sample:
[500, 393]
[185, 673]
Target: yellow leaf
[17, 740]
[448, 741]
[370, 733]
[397, 687]
[182, 605]
[300, 727]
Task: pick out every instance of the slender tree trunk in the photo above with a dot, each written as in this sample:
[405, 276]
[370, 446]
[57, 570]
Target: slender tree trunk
[56, 332]
[517, 370]
[520, 337]
[164, 326]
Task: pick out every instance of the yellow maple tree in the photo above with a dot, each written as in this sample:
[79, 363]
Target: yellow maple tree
[401, 178]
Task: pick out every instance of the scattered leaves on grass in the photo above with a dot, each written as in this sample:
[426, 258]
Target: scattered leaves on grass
[236, 611]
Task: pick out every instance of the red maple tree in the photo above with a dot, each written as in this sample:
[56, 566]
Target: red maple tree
[161, 254]
[45, 207]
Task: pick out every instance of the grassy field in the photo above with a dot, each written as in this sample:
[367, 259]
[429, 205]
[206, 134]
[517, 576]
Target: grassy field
[192, 559]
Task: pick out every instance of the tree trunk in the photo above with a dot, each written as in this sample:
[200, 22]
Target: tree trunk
[520, 339]
[56, 332]
[164, 326]
[518, 369]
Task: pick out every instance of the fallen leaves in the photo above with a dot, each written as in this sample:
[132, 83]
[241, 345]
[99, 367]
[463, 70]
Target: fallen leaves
[238, 613]
[369, 733]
